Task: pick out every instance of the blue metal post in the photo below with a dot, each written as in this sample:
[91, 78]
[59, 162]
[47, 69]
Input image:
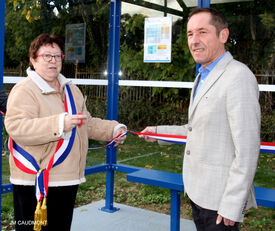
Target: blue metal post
[175, 211]
[202, 4]
[2, 33]
[112, 106]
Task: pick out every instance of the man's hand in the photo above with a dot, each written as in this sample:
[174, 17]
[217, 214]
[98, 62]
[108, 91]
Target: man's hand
[148, 130]
[120, 140]
[70, 121]
[226, 221]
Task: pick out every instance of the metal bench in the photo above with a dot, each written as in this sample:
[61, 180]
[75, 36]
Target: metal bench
[264, 196]
[167, 180]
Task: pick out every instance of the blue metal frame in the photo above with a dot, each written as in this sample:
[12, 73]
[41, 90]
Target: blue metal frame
[175, 210]
[203, 3]
[6, 188]
[112, 106]
[96, 169]
[2, 39]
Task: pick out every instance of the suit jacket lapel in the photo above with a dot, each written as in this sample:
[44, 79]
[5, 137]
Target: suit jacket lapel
[213, 76]
[196, 82]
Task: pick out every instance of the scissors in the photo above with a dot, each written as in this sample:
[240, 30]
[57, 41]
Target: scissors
[82, 110]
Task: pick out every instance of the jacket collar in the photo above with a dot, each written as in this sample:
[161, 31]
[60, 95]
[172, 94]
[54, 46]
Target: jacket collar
[43, 85]
[213, 76]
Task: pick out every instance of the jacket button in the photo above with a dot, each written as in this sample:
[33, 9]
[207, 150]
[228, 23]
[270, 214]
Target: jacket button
[190, 129]
[188, 152]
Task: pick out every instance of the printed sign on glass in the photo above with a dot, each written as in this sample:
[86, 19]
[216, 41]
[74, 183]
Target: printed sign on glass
[75, 43]
[157, 40]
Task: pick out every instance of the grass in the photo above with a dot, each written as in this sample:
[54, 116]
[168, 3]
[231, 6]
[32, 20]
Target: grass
[136, 152]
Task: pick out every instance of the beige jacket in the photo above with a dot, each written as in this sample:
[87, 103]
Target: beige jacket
[35, 120]
[223, 140]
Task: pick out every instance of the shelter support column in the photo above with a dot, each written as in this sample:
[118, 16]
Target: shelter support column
[112, 104]
[2, 33]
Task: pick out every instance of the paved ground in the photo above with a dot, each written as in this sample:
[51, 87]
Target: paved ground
[91, 218]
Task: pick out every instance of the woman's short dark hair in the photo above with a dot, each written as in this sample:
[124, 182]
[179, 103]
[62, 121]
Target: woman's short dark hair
[41, 40]
[217, 18]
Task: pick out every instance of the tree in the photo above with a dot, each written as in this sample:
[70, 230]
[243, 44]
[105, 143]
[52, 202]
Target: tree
[18, 35]
[252, 36]
[25, 19]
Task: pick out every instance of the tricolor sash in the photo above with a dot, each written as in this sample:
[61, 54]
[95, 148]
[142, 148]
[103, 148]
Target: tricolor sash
[26, 162]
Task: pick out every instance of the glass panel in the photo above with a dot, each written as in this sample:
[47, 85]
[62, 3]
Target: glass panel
[193, 3]
[172, 4]
[84, 28]
[251, 42]
[251, 39]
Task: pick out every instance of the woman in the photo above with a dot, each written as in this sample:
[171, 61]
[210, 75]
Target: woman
[46, 116]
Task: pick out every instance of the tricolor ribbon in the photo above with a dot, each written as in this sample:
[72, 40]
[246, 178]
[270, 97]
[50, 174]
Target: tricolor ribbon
[266, 147]
[111, 141]
[164, 137]
[26, 162]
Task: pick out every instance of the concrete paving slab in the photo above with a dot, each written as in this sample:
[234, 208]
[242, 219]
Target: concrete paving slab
[91, 218]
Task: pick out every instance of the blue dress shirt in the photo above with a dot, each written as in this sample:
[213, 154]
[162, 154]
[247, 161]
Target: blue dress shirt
[204, 72]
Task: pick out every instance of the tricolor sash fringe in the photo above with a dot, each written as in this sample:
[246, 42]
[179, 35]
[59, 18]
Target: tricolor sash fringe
[28, 164]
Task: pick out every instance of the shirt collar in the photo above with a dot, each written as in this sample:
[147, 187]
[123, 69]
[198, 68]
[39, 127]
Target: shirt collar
[42, 84]
[211, 65]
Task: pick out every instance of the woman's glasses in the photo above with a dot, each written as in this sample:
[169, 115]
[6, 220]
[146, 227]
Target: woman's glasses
[49, 57]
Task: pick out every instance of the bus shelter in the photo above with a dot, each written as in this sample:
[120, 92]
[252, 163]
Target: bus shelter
[113, 78]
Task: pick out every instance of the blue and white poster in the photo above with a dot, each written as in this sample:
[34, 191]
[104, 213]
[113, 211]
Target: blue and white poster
[157, 40]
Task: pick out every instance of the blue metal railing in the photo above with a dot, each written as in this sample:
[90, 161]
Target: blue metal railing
[2, 34]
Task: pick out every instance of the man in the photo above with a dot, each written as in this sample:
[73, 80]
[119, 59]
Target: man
[223, 130]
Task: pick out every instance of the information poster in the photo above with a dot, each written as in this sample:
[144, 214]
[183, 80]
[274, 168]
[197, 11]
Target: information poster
[75, 43]
[157, 40]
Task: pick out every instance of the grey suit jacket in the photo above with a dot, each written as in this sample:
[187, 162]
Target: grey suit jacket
[223, 140]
